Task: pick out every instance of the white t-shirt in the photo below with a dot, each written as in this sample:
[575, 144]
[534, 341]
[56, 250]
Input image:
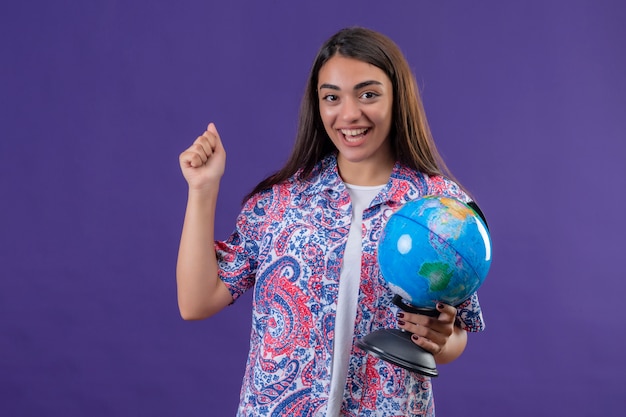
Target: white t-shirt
[347, 300]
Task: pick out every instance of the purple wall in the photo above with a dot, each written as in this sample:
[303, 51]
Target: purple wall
[527, 101]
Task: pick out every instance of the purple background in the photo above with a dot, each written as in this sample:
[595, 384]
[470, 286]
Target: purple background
[527, 101]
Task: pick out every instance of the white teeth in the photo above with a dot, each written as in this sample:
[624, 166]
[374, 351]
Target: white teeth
[353, 132]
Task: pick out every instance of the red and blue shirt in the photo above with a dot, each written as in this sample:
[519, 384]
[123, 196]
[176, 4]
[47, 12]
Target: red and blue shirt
[288, 246]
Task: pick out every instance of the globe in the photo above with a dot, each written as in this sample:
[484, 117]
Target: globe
[433, 249]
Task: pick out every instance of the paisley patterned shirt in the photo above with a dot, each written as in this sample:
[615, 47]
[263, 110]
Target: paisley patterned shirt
[288, 245]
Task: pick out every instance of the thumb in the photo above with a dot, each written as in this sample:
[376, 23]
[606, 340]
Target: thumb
[211, 128]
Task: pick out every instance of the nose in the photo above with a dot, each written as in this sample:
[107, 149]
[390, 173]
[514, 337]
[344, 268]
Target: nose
[350, 110]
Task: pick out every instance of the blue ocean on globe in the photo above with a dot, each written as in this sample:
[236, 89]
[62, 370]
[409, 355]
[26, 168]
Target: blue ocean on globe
[435, 249]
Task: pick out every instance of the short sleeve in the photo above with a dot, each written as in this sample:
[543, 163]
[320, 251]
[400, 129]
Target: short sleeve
[237, 256]
[233, 261]
[470, 316]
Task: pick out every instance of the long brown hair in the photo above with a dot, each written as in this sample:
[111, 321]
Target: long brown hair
[411, 140]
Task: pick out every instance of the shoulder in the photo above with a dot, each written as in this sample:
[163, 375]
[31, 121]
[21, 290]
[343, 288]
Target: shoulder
[261, 210]
[323, 177]
[407, 184]
[421, 183]
[440, 185]
[274, 202]
[262, 202]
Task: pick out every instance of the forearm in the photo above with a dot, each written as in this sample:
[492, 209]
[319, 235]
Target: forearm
[454, 346]
[196, 270]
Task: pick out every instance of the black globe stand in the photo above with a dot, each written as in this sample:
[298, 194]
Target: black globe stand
[395, 345]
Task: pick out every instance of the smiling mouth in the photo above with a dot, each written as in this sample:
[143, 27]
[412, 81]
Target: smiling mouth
[353, 135]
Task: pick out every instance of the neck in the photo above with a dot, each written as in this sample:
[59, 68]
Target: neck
[367, 173]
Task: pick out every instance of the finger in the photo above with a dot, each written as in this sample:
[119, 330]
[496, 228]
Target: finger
[421, 319]
[191, 158]
[202, 147]
[216, 139]
[208, 141]
[412, 322]
[427, 344]
[415, 323]
[211, 128]
[447, 313]
[430, 328]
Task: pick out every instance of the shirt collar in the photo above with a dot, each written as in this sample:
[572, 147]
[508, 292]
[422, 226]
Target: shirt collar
[404, 183]
[324, 178]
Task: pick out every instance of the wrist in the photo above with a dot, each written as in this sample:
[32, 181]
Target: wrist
[207, 188]
[206, 193]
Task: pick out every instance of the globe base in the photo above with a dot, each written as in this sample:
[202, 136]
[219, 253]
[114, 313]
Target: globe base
[395, 346]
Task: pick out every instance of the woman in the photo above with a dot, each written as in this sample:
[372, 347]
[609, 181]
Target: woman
[306, 239]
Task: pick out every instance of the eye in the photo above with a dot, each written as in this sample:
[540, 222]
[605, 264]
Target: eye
[330, 97]
[369, 95]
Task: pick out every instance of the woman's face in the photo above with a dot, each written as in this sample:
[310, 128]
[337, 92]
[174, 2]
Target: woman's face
[355, 101]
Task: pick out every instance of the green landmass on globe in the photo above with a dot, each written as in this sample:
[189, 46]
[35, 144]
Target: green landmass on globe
[438, 274]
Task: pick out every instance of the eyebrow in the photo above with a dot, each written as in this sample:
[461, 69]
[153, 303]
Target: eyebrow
[356, 87]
